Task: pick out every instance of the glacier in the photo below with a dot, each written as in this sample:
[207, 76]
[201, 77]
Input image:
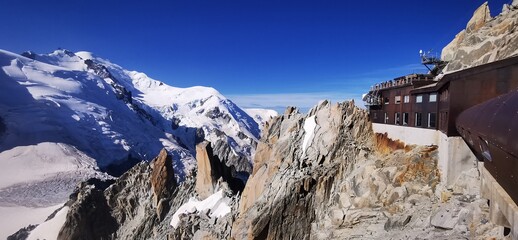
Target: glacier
[66, 117]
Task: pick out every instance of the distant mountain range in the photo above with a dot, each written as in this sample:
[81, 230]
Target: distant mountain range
[68, 116]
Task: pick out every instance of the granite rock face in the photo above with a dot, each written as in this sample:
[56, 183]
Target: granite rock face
[212, 171]
[324, 175]
[484, 40]
[222, 149]
[336, 179]
[162, 182]
[481, 16]
[141, 203]
[89, 216]
[295, 170]
[200, 225]
[134, 206]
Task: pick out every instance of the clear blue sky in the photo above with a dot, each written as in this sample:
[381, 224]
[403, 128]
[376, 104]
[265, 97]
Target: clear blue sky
[263, 53]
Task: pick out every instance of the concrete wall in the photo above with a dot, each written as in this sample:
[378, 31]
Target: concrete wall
[502, 209]
[454, 158]
[454, 154]
[409, 135]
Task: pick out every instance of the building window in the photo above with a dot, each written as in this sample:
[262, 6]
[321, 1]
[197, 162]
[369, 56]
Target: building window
[386, 100]
[405, 119]
[406, 99]
[375, 115]
[431, 120]
[397, 100]
[396, 118]
[418, 119]
[419, 98]
[433, 97]
[385, 118]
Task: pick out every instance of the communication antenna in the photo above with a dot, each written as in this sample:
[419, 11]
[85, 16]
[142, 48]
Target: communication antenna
[433, 63]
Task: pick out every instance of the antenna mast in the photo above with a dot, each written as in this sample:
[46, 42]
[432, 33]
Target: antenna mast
[432, 62]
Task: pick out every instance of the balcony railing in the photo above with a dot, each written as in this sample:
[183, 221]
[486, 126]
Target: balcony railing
[401, 81]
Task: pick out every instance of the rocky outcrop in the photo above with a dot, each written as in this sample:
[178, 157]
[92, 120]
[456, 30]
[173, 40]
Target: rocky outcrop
[484, 40]
[89, 216]
[479, 18]
[288, 178]
[324, 175]
[216, 113]
[120, 91]
[141, 203]
[335, 180]
[223, 150]
[205, 181]
[162, 182]
[134, 206]
[201, 225]
[212, 171]
[23, 233]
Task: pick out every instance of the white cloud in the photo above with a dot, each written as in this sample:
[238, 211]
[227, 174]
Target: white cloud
[279, 101]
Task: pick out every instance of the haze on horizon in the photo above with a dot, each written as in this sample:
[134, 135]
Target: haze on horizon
[260, 54]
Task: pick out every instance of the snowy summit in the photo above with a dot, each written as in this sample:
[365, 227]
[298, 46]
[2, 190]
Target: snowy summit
[66, 117]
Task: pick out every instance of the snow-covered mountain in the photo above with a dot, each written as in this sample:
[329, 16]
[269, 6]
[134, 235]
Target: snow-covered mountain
[68, 116]
[261, 115]
[191, 113]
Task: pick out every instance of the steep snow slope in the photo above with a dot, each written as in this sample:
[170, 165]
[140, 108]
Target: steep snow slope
[191, 114]
[49, 103]
[64, 119]
[61, 125]
[260, 115]
[13, 218]
[82, 102]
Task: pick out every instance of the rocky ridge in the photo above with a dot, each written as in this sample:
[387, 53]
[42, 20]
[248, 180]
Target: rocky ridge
[485, 39]
[140, 205]
[324, 175]
[351, 184]
[133, 206]
[212, 171]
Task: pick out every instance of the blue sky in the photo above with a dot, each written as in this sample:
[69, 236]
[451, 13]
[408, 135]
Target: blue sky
[259, 53]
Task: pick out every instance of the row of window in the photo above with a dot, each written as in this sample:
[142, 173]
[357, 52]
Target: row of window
[418, 99]
[418, 120]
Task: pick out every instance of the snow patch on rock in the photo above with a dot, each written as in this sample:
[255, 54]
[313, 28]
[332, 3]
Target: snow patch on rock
[309, 128]
[16, 217]
[50, 229]
[217, 204]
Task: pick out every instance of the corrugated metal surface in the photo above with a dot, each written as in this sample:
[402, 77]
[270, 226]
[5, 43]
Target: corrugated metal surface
[491, 131]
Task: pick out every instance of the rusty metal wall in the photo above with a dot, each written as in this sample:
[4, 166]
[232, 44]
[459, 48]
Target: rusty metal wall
[491, 131]
[472, 86]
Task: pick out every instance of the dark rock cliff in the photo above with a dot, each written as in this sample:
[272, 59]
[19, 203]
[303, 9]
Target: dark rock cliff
[134, 206]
